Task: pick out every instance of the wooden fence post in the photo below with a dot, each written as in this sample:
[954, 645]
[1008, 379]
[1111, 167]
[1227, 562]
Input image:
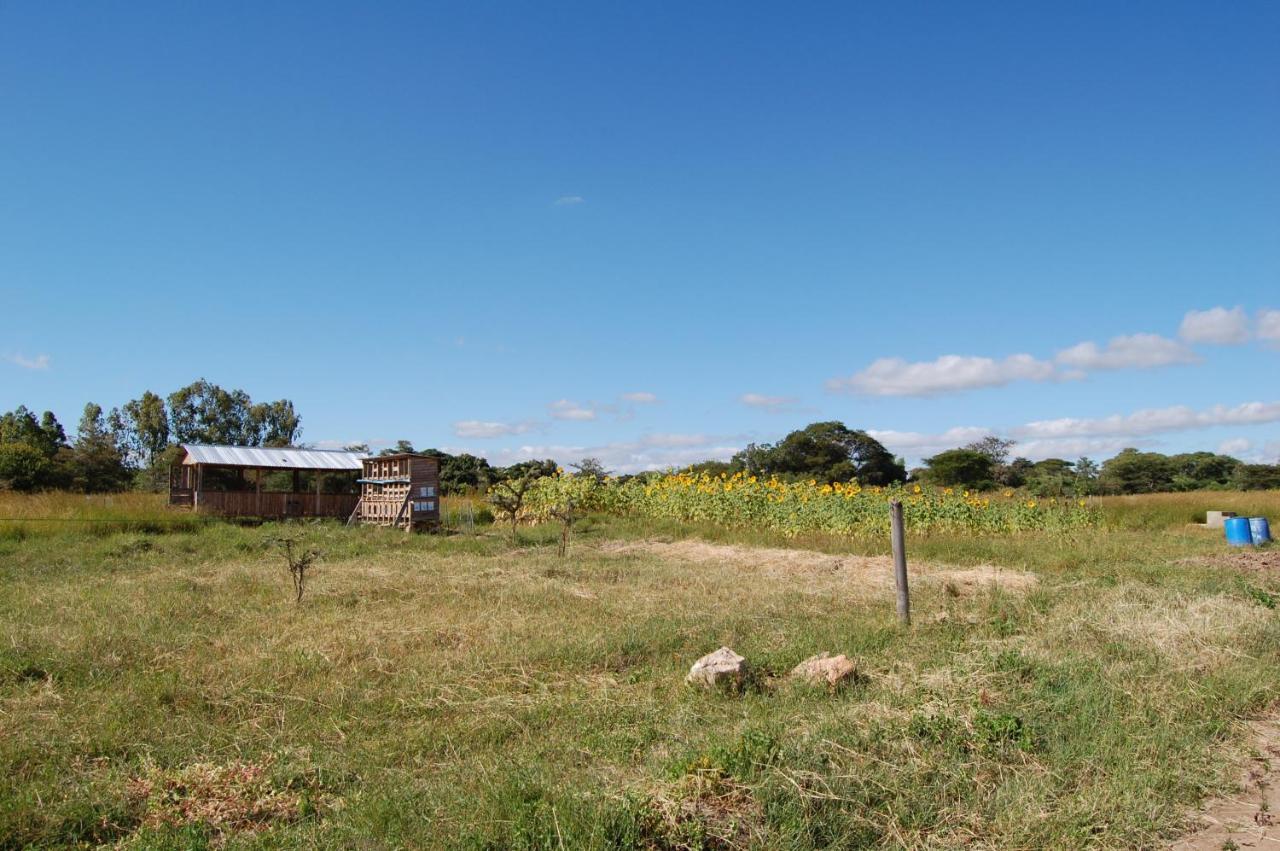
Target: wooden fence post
[900, 561]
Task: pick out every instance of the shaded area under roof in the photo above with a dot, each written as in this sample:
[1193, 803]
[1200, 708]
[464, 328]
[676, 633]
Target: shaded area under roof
[284, 458]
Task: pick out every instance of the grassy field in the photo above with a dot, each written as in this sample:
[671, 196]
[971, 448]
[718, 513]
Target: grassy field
[159, 688]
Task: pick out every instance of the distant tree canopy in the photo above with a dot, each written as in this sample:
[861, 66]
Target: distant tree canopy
[967, 468]
[203, 412]
[132, 445]
[827, 452]
[1132, 471]
[1256, 477]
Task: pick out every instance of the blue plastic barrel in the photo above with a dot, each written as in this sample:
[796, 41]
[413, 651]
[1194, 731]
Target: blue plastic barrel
[1238, 532]
[1259, 530]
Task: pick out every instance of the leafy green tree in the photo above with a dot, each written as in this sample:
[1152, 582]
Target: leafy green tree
[714, 468]
[96, 463]
[23, 467]
[1014, 474]
[147, 428]
[203, 412]
[961, 468]
[273, 423]
[591, 467]
[1132, 471]
[52, 436]
[1199, 470]
[44, 435]
[827, 452]
[30, 451]
[402, 447]
[1051, 477]
[531, 469]
[995, 448]
[1256, 477]
[464, 472]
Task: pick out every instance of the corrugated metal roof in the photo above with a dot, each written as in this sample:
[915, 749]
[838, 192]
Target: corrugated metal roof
[265, 456]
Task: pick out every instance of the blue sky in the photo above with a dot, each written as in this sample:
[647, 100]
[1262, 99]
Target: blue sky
[653, 232]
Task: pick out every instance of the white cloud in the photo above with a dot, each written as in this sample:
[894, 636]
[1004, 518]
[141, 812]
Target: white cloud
[640, 398]
[1269, 326]
[569, 200]
[773, 404]
[947, 374]
[563, 409]
[1152, 420]
[1070, 437]
[483, 429]
[1235, 446]
[37, 362]
[1218, 325]
[916, 443]
[1136, 351]
[1069, 448]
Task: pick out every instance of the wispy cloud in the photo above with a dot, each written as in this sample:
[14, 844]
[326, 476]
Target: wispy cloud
[1070, 437]
[37, 362]
[1217, 325]
[947, 374]
[1151, 421]
[564, 409]
[569, 200]
[647, 452]
[1269, 327]
[1070, 447]
[487, 429]
[773, 404]
[1135, 351]
[919, 444]
[954, 373]
[1236, 446]
[640, 398]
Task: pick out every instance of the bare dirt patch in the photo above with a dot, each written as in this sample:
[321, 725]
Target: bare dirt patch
[868, 571]
[1245, 558]
[1250, 818]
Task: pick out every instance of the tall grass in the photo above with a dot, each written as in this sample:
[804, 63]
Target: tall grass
[1169, 510]
[62, 514]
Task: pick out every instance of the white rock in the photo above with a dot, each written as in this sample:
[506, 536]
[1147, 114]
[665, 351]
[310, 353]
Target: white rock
[825, 669]
[721, 668]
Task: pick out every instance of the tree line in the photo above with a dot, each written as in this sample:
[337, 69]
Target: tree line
[832, 452]
[985, 464]
[133, 445]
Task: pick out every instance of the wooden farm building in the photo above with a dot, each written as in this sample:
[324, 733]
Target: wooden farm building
[266, 482]
[399, 490]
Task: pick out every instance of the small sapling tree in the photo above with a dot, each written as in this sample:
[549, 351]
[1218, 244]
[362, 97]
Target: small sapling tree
[300, 560]
[567, 513]
[507, 498]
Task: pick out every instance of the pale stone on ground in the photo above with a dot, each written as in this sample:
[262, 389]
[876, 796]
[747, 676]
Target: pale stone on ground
[723, 667]
[825, 669]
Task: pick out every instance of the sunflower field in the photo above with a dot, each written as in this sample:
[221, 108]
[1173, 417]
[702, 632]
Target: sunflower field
[793, 508]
